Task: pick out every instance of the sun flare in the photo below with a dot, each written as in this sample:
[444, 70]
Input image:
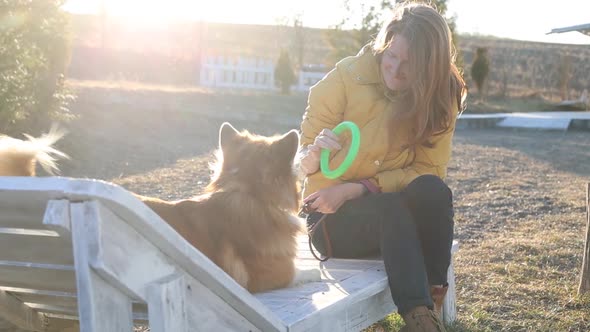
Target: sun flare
[237, 11]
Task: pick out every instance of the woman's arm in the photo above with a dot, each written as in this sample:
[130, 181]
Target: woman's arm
[325, 109]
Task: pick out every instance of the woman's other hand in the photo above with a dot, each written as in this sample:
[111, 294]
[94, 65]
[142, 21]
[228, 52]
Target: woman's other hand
[310, 162]
[329, 200]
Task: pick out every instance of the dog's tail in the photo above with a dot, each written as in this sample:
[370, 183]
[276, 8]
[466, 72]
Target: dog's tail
[18, 157]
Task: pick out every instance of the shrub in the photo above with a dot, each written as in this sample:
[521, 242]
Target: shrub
[34, 52]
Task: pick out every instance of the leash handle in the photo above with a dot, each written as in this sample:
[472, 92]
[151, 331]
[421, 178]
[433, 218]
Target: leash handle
[326, 240]
[311, 228]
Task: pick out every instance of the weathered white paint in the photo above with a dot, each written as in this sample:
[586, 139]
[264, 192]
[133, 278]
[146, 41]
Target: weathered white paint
[37, 276]
[167, 305]
[16, 214]
[61, 300]
[101, 307]
[449, 311]
[35, 249]
[57, 218]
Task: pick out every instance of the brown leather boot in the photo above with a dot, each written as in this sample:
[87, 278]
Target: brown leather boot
[422, 319]
[438, 296]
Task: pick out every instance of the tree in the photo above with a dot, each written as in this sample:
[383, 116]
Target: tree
[34, 52]
[299, 40]
[441, 6]
[348, 42]
[284, 73]
[564, 72]
[480, 68]
[345, 43]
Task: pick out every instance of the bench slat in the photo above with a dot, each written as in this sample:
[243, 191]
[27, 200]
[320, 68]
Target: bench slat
[38, 276]
[34, 248]
[14, 216]
[17, 313]
[62, 301]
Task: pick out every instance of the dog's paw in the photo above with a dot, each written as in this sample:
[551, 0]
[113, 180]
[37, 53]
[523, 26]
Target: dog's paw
[303, 276]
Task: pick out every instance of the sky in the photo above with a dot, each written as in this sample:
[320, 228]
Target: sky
[516, 19]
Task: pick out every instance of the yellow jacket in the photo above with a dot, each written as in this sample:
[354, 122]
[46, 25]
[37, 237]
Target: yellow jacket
[353, 91]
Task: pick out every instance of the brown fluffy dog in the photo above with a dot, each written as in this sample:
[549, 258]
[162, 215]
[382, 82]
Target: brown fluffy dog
[246, 221]
[19, 157]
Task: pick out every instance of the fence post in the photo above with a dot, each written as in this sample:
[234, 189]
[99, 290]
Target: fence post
[585, 274]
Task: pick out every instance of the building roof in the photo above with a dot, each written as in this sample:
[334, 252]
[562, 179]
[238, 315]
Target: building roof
[582, 28]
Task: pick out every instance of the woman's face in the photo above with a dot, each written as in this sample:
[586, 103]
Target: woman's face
[394, 65]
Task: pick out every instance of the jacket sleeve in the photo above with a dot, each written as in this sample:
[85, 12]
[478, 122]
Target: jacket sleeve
[325, 107]
[431, 159]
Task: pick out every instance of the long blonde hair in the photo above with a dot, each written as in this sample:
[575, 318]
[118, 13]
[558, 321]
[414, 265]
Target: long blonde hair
[436, 82]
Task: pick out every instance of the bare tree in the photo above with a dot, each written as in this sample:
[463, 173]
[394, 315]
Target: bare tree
[564, 71]
[299, 38]
[348, 42]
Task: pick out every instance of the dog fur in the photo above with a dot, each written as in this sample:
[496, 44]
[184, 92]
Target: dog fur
[246, 220]
[19, 157]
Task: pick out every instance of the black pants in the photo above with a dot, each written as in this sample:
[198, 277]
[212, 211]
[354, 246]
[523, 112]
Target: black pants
[412, 229]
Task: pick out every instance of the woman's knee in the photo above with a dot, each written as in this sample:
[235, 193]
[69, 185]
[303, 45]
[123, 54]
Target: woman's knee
[428, 190]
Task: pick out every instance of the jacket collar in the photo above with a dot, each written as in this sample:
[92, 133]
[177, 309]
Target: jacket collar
[366, 70]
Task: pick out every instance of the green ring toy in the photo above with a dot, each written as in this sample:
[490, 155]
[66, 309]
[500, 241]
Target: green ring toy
[352, 151]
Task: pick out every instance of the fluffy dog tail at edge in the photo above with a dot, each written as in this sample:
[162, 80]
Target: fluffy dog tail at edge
[18, 157]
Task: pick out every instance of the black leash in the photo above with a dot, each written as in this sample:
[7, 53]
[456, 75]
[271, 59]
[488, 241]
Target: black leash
[312, 226]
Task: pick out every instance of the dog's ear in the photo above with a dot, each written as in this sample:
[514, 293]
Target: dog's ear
[227, 133]
[288, 145]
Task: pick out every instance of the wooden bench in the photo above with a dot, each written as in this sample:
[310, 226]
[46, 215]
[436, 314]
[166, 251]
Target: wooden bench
[85, 250]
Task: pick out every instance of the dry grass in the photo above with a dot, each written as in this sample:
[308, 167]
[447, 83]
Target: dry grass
[524, 278]
[499, 104]
[134, 86]
[519, 195]
[521, 220]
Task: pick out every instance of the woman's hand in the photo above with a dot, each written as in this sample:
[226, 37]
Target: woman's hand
[310, 162]
[329, 200]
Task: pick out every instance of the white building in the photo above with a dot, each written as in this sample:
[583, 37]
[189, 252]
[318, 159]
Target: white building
[309, 75]
[243, 72]
[237, 72]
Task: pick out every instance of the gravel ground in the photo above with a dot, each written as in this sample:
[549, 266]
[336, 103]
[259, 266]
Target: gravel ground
[507, 184]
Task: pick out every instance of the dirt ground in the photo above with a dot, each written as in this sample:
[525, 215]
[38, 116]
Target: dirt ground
[519, 195]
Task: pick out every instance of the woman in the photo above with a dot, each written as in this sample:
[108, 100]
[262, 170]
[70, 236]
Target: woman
[404, 92]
